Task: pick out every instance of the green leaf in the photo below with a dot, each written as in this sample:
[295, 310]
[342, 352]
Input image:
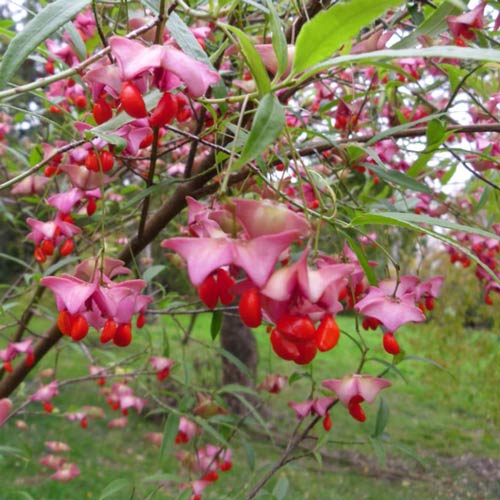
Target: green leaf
[253, 60]
[151, 272]
[324, 34]
[120, 143]
[25, 495]
[435, 134]
[360, 254]
[76, 41]
[278, 39]
[249, 454]
[281, 488]
[428, 361]
[216, 324]
[382, 418]
[185, 494]
[114, 487]
[433, 26]
[412, 221]
[169, 433]
[46, 22]
[267, 124]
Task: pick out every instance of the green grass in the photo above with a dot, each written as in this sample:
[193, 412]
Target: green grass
[446, 419]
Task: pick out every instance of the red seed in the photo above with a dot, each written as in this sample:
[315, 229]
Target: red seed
[108, 330]
[91, 162]
[132, 101]
[79, 328]
[225, 283]
[390, 344]
[64, 322]
[102, 112]
[123, 335]
[429, 303]
[250, 308]
[327, 334]
[47, 247]
[91, 206]
[67, 247]
[327, 422]
[81, 102]
[357, 412]
[307, 352]
[107, 161]
[7, 366]
[208, 292]
[282, 347]
[296, 328]
[141, 320]
[30, 359]
[48, 407]
[165, 112]
[39, 255]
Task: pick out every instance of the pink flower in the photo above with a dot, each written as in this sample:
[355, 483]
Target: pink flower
[5, 409]
[273, 383]
[162, 366]
[45, 393]
[462, 26]
[118, 423]
[57, 446]
[352, 390]
[52, 461]
[66, 473]
[33, 184]
[134, 58]
[392, 307]
[257, 256]
[187, 430]
[314, 406]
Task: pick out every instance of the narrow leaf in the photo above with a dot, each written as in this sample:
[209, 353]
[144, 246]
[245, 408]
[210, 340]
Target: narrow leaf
[324, 34]
[46, 22]
[253, 60]
[382, 418]
[281, 488]
[114, 487]
[249, 454]
[151, 272]
[216, 324]
[267, 124]
[433, 26]
[278, 39]
[169, 433]
[379, 450]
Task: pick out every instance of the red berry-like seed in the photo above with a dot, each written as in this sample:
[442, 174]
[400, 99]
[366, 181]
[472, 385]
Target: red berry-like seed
[132, 101]
[30, 359]
[327, 422]
[81, 102]
[64, 322]
[165, 112]
[91, 206]
[357, 412]
[141, 320]
[208, 292]
[390, 344]
[327, 334]
[102, 112]
[39, 255]
[250, 308]
[91, 162]
[79, 328]
[224, 284]
[107, 161]
[123, 335]
[47, 247]
[67, 247]
[108, 330]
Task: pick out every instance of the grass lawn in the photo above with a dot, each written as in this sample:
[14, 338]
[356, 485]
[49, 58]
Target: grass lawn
[441, 440]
